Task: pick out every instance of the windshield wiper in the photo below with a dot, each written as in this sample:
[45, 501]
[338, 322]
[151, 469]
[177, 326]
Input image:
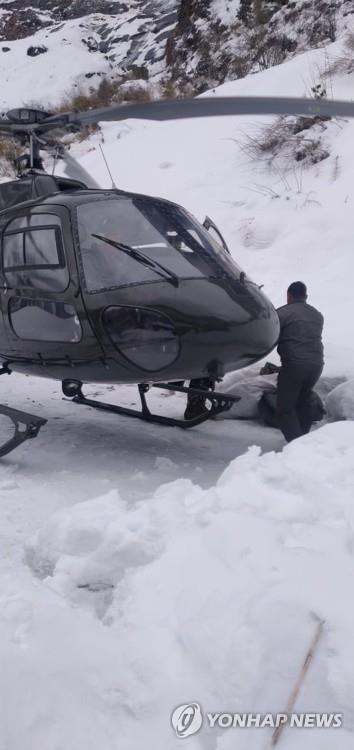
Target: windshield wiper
[159, 269]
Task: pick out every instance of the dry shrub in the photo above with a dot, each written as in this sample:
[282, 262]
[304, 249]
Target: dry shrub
[108, 92]
[79, 101]
[287, 141]
[170, 89]
[135, 94]
[138, 73]
[9, 151]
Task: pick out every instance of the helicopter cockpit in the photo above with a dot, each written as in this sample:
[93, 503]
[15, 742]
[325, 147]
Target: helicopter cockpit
[160, 237]
[131, 284]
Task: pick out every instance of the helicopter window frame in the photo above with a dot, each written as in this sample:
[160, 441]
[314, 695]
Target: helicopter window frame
[34, 266]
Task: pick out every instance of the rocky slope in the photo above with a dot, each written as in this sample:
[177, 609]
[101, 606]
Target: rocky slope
[219, 40]
[191, 45]
[123, 34]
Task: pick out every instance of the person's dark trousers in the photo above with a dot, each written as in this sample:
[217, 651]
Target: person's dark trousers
[295, 383]
[196, 404]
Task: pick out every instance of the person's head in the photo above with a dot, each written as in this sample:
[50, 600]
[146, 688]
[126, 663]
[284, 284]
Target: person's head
[297, 292]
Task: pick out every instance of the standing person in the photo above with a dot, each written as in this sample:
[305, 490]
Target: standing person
[301, 352]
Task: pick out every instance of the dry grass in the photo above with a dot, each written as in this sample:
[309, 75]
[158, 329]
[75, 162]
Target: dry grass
[134, 93]
[285, 142]
[172, 90]
[291, 140]
[9, 151]
[78, 100]
[109, 91]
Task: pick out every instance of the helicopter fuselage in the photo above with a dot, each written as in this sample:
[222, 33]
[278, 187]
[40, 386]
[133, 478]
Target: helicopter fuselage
[108, 286]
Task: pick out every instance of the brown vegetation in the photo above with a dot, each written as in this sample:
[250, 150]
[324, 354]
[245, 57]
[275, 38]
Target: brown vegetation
[9, 151]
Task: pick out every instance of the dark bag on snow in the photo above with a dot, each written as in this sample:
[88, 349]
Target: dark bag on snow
[267, 407]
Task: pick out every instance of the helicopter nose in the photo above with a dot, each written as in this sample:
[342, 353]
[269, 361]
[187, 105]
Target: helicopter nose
[202, 327]
[231, 325]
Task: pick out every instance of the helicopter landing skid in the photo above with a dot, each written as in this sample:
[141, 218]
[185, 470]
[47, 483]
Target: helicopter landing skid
[220, 402]
[24, 427]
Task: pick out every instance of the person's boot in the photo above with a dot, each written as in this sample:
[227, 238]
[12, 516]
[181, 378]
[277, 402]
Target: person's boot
[196, 405]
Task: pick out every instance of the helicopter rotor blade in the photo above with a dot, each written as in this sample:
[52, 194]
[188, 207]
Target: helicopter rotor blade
[212, 107]
[7, 128]
[174, 109]
[179, 109]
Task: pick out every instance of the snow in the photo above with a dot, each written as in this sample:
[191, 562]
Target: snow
[124, 611]
[340, 401]
[47, 78]
[225, 10]
[142, 567]
[75, 51]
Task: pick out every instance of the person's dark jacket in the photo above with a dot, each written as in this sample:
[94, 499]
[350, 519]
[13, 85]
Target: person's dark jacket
[301, 327]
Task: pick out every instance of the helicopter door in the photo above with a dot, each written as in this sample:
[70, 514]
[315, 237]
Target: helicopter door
[212, 228]
[39, 292]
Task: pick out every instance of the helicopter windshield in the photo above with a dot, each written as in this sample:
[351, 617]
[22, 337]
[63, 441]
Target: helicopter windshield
[165, 233]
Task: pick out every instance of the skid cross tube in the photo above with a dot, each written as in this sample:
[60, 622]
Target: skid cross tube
[219, 402]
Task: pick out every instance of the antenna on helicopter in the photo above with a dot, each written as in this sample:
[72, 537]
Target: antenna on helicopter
[114, 186]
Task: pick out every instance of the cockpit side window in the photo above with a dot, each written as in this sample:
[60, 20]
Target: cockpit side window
[33, 253]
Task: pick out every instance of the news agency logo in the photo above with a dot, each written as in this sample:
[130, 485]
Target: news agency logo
[187, 720]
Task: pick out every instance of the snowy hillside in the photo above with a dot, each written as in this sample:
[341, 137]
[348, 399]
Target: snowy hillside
[75, 46]
[53, 48]
[215, 40]
[142, 568]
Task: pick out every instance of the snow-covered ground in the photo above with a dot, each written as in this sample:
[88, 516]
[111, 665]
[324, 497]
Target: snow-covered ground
[50, 76]
[142, 567]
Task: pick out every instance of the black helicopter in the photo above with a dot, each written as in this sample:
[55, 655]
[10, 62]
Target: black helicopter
[115, 287]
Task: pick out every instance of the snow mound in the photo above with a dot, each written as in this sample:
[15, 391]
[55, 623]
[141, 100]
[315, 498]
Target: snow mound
[212, 595]
[87, 548]
[340, 402]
